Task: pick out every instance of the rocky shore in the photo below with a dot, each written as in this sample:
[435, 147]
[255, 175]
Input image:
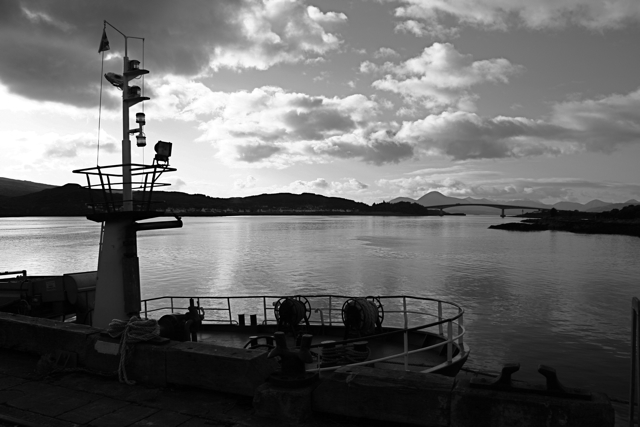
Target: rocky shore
[630, 227]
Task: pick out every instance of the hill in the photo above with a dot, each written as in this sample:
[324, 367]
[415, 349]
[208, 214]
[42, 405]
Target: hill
[14, 187]
[74, 200]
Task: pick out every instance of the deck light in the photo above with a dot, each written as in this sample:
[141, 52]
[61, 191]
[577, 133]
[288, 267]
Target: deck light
[134, 64]
[163, 151]
[134, 91]
[141, 140]
[140, 119]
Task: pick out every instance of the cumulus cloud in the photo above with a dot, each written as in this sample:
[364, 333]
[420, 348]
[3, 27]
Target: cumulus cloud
[50, 49]
[465, 136]
[327, 188]
[385, 52]
[427, 28]
[540, 14]
[70, 146]
[269, 127]
[277, 31]
[441, 76]
[600, 125]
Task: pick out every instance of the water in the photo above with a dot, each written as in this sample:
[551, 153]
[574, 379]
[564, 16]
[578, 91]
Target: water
[553, 298]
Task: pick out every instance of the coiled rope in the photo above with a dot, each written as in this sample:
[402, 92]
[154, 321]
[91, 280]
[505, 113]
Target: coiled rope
[333, 355]
[291, 312]
[367, 315]
[131, 331]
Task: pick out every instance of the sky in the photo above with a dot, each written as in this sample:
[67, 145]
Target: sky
[367, 100]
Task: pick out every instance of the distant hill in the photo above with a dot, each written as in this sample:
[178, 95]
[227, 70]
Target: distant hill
[435, 198]
[74, 200]
[24, 198]
[610, 206]
[14, 187]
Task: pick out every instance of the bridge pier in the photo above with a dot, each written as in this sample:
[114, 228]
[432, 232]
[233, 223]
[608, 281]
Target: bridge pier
[502, 215]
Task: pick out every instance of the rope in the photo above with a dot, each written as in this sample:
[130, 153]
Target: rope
[131, 332]
[343, 355]
[292, 312]
[367, 315]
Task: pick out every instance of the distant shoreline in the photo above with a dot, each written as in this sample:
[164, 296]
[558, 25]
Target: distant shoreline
[627, 227]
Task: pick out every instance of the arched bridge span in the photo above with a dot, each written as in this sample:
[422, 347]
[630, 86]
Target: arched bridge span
[491, 205]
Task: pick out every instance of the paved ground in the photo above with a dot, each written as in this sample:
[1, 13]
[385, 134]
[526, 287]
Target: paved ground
[75, 398]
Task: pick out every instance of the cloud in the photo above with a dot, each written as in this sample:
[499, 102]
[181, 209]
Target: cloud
[478, 184]
[177, 183]
[441, 76]
[431, 28]
[539, 15]
[327, 188]
[269, 127]
[277, 31]
[385, 52]
[325, 18]
[600, 125]
[50, 49]
[248, 182]
[465, 136]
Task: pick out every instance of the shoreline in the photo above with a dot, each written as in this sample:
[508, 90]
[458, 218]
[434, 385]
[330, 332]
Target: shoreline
[573, 225]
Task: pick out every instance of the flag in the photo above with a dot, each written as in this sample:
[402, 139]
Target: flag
[104, 42]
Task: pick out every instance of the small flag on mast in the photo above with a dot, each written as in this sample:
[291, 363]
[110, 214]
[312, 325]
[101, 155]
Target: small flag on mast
[104, 42]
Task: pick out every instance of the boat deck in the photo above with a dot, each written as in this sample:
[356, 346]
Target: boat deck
[239, 337]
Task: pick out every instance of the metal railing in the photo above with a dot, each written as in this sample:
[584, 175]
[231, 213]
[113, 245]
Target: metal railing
[144, 179]
[634, 393]
[399, 312]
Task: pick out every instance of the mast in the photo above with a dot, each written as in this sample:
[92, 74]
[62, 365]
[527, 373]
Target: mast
[118, 280]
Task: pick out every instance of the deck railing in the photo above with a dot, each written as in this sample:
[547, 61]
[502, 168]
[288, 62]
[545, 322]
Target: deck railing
[400, 311]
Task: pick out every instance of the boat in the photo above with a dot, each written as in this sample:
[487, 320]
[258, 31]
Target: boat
[399, 332]
[404, 332]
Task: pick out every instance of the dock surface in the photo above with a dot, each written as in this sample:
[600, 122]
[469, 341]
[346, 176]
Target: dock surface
[79, 398]
[74, 397]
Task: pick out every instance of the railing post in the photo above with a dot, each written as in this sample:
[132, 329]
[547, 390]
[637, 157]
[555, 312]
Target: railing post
[171, 304]
[330, 314]
[229, 309]
[634, 393]
[449, 341]
[146, 315]
[460, 329]
[264, 307]
[440, 317]
[406, 334]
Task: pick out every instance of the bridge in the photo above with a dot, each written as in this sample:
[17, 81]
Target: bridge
[491, 205]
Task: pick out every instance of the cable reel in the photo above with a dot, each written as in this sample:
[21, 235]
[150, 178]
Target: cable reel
[290, 311]
[363, 316]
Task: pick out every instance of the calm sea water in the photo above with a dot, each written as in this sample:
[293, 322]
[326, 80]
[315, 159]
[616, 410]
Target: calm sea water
[554, 298]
